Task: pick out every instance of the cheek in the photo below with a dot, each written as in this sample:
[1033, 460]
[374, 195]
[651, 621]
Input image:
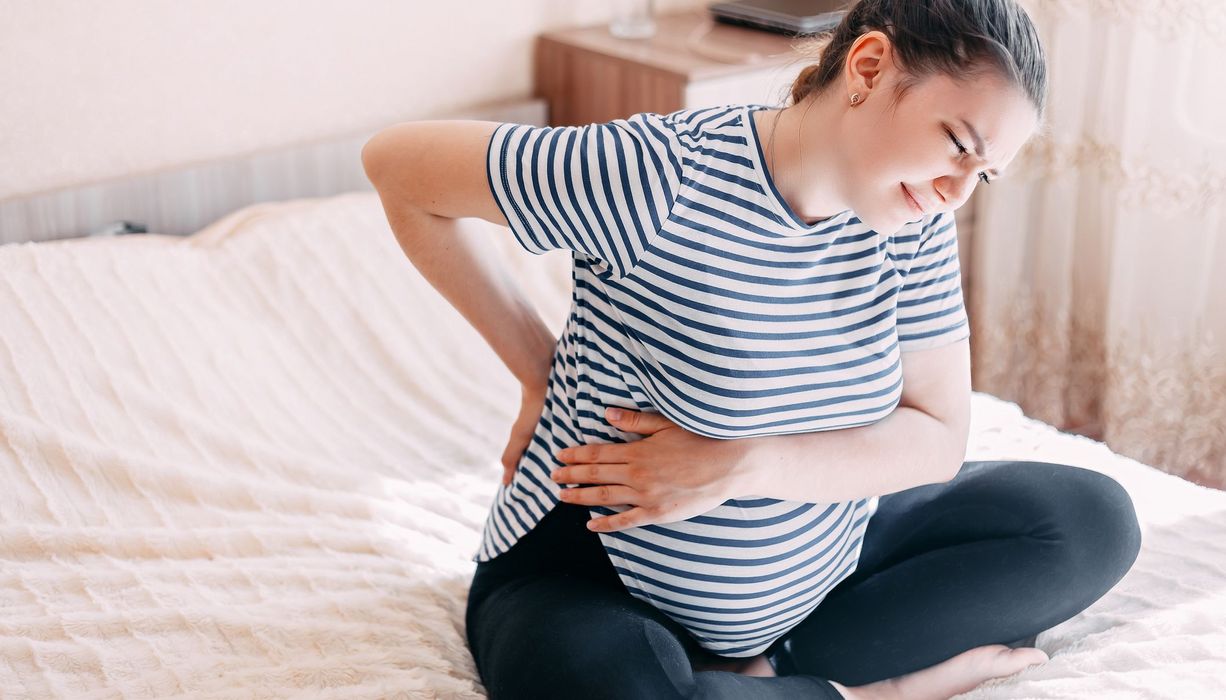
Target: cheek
[876, 159]
[905, 162]
[899, 156]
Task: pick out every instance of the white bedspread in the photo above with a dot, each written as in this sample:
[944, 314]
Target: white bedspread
[254, 463]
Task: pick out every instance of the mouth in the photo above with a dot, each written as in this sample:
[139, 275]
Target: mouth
[912, 200]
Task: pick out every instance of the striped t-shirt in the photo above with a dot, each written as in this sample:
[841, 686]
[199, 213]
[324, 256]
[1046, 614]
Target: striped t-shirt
[700, 294]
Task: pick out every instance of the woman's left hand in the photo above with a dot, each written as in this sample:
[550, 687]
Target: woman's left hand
[670, 475]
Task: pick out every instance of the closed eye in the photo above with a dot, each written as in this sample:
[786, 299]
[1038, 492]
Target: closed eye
[962, 151]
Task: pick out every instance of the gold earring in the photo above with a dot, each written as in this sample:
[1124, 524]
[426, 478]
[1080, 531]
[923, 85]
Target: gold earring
[855, 98]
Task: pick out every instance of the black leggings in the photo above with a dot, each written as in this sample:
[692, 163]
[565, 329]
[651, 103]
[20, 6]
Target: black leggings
[1003, 551]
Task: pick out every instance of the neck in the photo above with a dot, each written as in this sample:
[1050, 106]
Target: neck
[806, 167]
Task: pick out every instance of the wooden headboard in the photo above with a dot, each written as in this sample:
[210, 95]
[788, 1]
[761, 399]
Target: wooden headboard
[183, 200]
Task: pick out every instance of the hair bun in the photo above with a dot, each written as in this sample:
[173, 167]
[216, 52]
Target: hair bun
[805, 82]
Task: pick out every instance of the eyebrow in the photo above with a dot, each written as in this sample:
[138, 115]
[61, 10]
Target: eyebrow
[978, 143]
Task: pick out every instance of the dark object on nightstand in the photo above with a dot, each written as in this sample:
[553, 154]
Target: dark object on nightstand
[791, 17]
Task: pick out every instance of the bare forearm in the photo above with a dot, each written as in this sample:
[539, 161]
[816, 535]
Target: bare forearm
[906, 448]
[455, 257]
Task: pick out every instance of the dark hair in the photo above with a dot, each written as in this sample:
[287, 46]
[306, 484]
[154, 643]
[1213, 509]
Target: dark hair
[962, 39]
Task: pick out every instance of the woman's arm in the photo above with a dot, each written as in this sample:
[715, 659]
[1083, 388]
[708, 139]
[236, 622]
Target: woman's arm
[431, 179]
[923, 441]
[673, 474]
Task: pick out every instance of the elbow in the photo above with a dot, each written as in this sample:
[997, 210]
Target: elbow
[959, 439]
[956, 461]
[387, 145]
[389, 158]
[370, 152]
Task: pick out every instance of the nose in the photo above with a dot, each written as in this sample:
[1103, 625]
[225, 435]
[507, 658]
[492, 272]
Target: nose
[956, 188]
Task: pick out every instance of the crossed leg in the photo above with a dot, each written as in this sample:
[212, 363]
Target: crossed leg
[1003, 551]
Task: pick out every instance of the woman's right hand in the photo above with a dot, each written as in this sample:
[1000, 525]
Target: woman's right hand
[532, 403]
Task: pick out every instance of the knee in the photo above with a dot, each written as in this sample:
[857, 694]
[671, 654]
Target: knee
[638, 658]
[1097, 524]
[631, 659]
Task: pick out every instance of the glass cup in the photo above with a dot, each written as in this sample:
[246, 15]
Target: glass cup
[633, 19]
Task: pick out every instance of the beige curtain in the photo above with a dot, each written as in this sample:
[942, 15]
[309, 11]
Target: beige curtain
[1096, 273]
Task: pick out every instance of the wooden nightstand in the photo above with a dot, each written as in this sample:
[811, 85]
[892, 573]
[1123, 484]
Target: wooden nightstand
[588, 75]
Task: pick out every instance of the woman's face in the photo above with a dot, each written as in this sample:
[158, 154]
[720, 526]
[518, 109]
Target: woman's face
[914, 146]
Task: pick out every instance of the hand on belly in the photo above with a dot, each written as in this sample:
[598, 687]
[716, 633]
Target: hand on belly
[670, 475]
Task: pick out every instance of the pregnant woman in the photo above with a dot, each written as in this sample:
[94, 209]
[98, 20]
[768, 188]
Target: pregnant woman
[772, 299]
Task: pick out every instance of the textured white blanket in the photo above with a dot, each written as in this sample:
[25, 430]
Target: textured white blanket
[254, 462]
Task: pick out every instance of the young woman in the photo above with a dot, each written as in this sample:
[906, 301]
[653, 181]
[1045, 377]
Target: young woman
[772, 297]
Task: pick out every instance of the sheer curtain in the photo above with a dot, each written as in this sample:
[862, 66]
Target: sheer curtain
[1096, 274]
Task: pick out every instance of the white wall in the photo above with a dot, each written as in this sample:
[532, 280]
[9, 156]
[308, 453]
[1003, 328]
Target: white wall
[91, 90]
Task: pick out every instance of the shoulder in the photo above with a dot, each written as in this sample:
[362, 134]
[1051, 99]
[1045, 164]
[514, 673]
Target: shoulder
[939, 229]
[918, 232]
[722, 127]
[941, 219]
[922, 237]
[705, 122]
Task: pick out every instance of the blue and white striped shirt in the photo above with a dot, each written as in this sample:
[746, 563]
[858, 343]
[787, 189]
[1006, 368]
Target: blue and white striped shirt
[699, 294]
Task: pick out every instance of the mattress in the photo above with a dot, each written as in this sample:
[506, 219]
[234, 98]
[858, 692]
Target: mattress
[255, 461]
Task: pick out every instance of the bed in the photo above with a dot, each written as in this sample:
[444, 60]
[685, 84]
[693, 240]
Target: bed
[255, 461]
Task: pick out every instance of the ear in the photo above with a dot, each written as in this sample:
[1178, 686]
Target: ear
[870, 54]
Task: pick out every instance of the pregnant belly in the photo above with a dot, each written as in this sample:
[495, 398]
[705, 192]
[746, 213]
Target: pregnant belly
[743, 574]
